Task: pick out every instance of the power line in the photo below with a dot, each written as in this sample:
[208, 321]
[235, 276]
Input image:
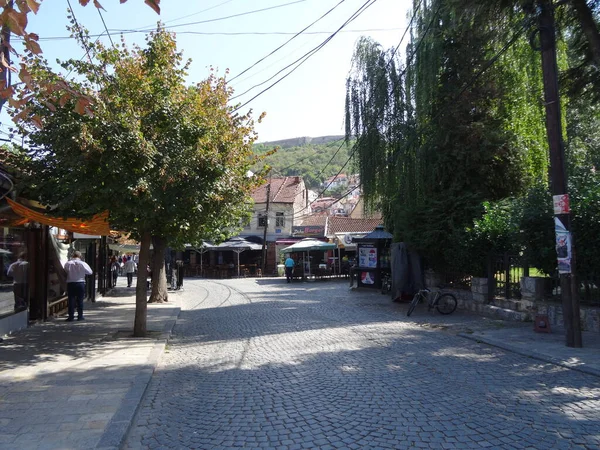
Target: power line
[387, 65]
[287, 42]
[194, 14]
[227, 33]
[80, 32]
[304, 58]
[220, 18]
[104, 23]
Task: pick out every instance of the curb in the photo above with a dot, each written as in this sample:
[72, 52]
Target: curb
[118, 427]
[541, 357]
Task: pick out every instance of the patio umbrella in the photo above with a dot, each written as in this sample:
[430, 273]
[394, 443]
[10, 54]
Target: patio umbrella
[237, 245]
[204, 247]
[308, 245]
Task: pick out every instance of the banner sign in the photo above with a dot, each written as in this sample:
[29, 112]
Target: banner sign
[563, 246]
[309, 231]
[561, 204]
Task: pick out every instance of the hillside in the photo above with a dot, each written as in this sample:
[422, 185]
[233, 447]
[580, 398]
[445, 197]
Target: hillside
[314, 159]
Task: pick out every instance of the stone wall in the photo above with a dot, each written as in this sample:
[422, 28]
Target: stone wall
[534, 290]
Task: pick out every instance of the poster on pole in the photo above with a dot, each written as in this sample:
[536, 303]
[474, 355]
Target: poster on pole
[561, 204]
[563, 246]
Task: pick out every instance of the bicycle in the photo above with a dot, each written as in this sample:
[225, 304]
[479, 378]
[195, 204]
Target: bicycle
[444, 302]
[386, 283]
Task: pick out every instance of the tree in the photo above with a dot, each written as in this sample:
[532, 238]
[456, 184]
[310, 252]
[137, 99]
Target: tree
[432, 144]
[13, 21]
[168, 160]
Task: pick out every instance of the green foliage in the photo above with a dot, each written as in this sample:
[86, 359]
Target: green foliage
[433, 142]
[584, 189]
[313, 162]
[496, 232]
[163, 157]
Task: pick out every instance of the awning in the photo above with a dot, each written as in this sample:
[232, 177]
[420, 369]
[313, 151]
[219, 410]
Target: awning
[96, 225]
[345, 239]
[286, 241]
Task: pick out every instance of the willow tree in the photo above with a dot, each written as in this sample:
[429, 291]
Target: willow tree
[435, 130]
[168, 160]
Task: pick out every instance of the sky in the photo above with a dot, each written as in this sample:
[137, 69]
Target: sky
[308, 102]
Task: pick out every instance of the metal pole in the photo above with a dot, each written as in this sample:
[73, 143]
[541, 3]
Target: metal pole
[264, 248]
[558, 177]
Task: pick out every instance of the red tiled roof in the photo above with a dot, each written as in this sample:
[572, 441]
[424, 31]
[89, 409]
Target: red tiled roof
[349, 225]
[283, 190]
[313, 220]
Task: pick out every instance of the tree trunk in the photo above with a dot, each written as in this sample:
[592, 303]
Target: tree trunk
[589, 27]
[159, 274]
[141, 304]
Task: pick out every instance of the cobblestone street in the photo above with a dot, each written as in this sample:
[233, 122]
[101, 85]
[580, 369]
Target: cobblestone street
[258, 363]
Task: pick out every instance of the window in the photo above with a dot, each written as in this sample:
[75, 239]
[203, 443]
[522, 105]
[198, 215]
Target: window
[279, 220]
[262, 220]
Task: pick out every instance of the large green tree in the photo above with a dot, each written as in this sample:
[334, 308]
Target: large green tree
[168, 160]
[432, 142]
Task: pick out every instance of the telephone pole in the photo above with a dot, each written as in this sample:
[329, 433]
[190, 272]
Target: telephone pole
[264, 245]
[558, 177]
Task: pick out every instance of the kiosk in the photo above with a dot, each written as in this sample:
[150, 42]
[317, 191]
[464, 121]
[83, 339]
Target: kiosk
[373, 257]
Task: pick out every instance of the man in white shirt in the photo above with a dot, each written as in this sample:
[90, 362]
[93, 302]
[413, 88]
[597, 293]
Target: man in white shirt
[129, 270]
[76, 270]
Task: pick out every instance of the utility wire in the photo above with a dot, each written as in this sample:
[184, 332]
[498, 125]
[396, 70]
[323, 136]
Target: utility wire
[87, 51]
[220, 18]
[194, 14]
[286, 42]
[387, 65]
[226, 33]
[302, 59]
[104, 23]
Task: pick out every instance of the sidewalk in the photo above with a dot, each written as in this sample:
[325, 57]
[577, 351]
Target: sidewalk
[549, 347]
[78, 384]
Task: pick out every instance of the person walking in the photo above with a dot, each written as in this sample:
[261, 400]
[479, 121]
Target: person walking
[76, 270]
[19, 270]
[114, 270]
[289, 268]
[129, 270]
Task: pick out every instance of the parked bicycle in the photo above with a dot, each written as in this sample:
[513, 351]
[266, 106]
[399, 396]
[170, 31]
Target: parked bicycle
[444, 302]
[386, 283]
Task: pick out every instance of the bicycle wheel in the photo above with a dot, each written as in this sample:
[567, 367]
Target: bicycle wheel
[446, 304]
[385, 286]
[413, 304]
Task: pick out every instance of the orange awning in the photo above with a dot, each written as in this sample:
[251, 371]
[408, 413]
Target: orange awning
[97, 225]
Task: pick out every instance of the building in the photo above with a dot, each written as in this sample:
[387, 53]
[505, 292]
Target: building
[274, 220]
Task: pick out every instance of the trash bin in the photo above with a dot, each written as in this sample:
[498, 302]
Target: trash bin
[280, 270]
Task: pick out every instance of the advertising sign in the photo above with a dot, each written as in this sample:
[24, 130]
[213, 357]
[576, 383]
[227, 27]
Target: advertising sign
[561, 204]
[563, 246]
[367, 256]
[309, 231]
[367, 278]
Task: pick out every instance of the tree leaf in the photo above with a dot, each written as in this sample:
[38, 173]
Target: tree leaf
[84, 2]
[81, 105]
[154, 4]
[17, 21]
[33, 46]
[33, 5]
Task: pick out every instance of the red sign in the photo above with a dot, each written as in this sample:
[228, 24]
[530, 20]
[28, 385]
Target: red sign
[561, 204]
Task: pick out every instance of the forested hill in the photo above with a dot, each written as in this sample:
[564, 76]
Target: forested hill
[314, 159]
